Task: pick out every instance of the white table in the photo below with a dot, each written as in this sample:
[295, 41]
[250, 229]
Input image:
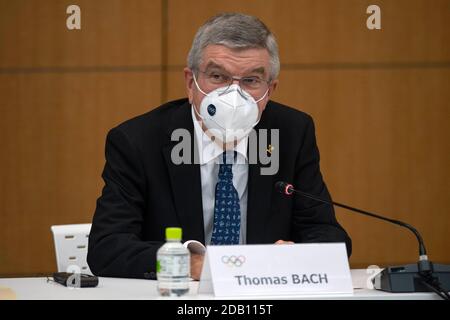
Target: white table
[125, 289]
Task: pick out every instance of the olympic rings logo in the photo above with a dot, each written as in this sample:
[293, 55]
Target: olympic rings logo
[233, 261]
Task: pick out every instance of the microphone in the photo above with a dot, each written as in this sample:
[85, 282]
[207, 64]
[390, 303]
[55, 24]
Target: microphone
[421, 277]
[288, 189]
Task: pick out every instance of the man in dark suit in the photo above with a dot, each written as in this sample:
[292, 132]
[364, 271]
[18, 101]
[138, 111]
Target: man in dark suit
[232, 71]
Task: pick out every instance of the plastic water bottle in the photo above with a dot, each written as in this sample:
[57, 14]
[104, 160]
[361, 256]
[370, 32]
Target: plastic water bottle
[173, 265]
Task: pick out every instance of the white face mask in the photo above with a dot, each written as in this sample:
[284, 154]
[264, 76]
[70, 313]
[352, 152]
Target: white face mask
[229, 113]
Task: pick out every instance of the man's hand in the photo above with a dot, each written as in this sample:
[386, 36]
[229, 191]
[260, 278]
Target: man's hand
[196, 265]
[284, 242]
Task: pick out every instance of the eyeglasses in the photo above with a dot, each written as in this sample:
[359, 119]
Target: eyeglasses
[217, 79]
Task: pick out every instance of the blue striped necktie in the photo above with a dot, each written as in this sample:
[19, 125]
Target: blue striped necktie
[227, 212]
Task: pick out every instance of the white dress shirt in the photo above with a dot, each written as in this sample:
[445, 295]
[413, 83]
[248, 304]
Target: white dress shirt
[210, 154]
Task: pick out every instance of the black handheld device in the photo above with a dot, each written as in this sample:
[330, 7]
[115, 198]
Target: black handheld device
[75, 280]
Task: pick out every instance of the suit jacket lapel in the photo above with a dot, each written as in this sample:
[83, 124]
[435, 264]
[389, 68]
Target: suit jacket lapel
[185, 179]
[259, 191]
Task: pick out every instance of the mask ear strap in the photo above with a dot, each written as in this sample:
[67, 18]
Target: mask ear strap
[196, 84]
[193, 106]
[259, 118]
[265, 94]
[196, 112]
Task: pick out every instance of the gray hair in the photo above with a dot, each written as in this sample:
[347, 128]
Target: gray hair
[235, 31]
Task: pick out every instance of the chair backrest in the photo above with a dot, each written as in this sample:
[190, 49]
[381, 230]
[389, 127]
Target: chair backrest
[71, 244]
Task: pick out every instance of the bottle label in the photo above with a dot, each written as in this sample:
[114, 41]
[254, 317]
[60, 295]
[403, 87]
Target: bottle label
[173, 266]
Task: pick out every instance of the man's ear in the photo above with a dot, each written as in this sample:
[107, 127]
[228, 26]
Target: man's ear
[189, 81]
[272, 87]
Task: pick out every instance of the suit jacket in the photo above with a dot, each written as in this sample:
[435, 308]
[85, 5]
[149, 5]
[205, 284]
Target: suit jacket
[145, 192]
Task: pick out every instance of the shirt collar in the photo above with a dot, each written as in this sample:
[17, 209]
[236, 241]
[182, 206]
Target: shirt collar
[207, 149]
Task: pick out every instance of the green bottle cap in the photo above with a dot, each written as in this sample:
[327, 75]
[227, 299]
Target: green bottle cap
[173, 233]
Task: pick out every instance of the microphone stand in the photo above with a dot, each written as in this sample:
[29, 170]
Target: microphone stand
[423, 276]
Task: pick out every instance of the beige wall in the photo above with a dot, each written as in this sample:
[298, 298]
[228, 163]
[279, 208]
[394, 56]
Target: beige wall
[380, 100]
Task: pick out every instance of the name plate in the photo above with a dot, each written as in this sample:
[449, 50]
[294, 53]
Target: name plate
[294, 269]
